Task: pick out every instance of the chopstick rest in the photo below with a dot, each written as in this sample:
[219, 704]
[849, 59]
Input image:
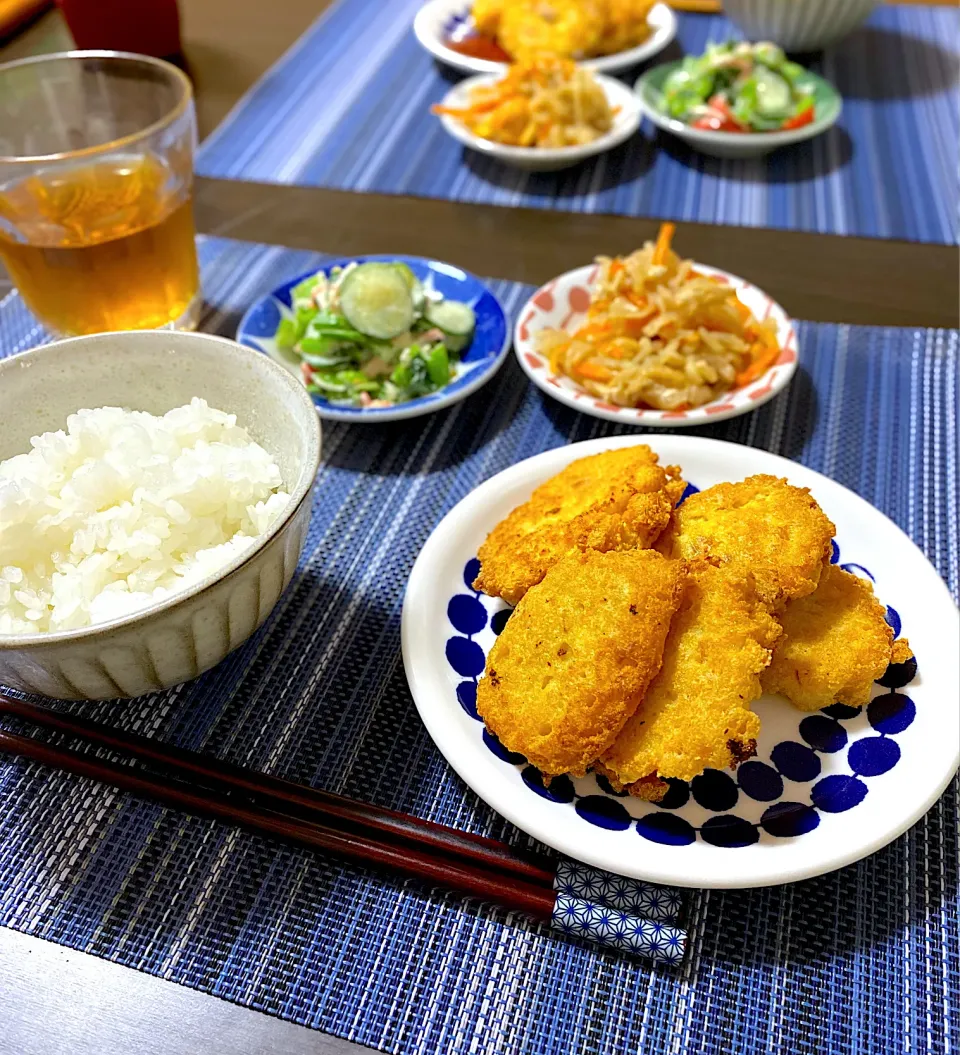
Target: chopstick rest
[618, 912]
[578, 880]
[623, 931]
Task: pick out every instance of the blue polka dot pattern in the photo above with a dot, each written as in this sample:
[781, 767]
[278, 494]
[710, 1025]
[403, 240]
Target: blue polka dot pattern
[837, 793]
[467, 614]
[796, 761]
[891, 713]
[873, 755]
[834, 551]
[786, 820]
[823, 734]
[718, 792]
[729, 831]
[513, 757]
[678, 794]
[760, 781]
[470, 572]
[465, 656]
[560, 789]
[899, 674]
[714, 791]
[604, 812]
[467, 698]
[667, 828]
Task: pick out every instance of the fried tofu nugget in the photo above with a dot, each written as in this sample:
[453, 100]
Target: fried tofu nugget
[696, 713]
[619, 499]
[762, 526]
[836, 642]
[577, 655]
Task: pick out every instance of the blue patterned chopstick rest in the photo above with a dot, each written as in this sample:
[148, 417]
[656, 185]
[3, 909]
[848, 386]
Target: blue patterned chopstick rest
[629, 895]
[618, 930]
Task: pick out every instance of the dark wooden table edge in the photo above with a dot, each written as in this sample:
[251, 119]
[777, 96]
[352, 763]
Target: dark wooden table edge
[171, 1019]
[820, 277]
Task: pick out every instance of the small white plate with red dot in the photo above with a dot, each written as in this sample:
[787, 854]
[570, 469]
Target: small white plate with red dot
[562, 304]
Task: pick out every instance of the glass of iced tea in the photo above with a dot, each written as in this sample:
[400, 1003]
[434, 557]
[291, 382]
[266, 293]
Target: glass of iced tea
[96, 191]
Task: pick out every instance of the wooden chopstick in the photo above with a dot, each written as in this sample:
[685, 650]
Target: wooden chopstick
[556, 892]
[468, 878]
[273, 795]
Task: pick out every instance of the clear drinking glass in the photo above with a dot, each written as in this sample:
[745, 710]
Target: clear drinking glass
[96, 191]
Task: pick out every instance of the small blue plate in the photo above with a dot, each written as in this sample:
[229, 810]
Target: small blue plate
[478, 363]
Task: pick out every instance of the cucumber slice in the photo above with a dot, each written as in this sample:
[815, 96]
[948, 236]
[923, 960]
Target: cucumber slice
[409, 276]
[452, 316]
[416, 287]
[376, 300]
[774, 96]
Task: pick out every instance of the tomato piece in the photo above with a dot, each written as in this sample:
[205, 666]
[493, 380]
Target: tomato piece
[717, 124]
[717, 102]
[805, 117]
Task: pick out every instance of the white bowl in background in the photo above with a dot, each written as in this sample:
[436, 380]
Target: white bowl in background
[185, 634]
[545, 159]
[798, 25]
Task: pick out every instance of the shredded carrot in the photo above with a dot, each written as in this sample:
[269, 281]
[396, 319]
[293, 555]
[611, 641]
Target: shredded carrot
[594, 371]
[764, 357]
[556, 355]
[635, 325]
[593, 330]
[469, 111]
[664, 238]
[745, 313]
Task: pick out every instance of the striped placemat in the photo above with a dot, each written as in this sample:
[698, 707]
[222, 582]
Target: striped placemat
[348, 107]
[863, 960]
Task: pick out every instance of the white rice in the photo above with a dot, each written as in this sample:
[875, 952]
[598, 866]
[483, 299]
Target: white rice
[123, 509]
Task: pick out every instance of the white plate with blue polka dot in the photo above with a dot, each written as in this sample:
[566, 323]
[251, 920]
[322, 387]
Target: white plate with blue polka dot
[824, 789]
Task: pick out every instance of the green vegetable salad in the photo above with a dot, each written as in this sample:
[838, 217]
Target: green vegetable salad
[737, 87]
[371, 335]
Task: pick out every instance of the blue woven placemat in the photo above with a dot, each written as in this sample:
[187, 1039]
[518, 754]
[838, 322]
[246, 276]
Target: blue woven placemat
[864, 960]
[348, 107]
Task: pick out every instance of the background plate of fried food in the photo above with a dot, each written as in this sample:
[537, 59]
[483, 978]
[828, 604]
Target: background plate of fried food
[651, 339]
[542, 115]
[632, 710]
[605, 35]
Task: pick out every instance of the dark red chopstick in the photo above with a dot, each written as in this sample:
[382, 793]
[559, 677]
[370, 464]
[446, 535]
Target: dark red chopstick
[270, 794]
[469, 878]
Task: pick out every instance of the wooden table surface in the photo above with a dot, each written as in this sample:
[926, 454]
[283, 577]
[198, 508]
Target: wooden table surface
[58, 1002]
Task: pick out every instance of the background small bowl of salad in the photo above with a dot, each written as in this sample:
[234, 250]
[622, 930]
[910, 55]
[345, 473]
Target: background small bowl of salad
[738, 100]
[378, 338]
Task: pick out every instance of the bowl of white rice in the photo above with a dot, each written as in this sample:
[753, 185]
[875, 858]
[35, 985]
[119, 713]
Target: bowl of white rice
[154, 501]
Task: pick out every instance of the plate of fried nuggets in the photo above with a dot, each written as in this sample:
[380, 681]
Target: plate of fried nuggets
[645, 629]
[736, 622]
